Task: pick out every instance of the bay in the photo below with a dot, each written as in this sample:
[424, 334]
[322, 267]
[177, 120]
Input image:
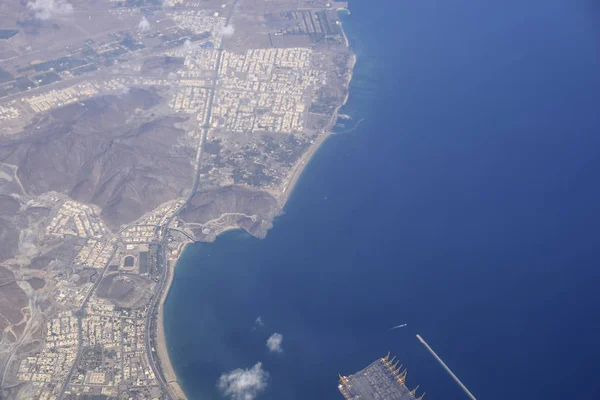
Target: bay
[465, 205]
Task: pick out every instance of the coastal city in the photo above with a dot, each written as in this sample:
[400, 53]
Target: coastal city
[98, 343]
[299, 199]
[129, 130]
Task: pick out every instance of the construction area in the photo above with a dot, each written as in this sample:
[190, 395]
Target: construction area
[383, 379]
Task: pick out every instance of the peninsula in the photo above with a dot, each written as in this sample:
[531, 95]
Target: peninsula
[128, 129]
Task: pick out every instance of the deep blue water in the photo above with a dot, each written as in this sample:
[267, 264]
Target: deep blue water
[467, 205]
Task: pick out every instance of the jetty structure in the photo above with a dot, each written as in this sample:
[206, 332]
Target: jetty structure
[382, 379]
[448, 370]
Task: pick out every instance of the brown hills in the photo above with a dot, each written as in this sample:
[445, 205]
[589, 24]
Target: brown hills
[111, 151]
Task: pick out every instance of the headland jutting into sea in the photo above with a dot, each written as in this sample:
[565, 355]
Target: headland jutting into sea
[463, 206]
[166, 366]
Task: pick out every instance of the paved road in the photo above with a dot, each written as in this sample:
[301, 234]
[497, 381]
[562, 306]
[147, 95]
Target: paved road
[152, 310]
[155, 302]
[78, 316]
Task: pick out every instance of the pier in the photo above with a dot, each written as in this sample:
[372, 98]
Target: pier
[433, 353]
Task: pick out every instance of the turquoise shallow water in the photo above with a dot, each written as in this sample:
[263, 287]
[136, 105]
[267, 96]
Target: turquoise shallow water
[465, 205]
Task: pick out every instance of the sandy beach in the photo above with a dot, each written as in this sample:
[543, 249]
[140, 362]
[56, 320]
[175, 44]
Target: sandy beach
[297, 169]
[163, 351]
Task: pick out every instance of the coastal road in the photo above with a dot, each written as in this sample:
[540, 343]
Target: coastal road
[153, 309]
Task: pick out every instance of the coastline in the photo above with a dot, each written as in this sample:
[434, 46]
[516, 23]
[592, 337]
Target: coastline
[298, 168]
[163, 352]
[296, 172]
[361, 154]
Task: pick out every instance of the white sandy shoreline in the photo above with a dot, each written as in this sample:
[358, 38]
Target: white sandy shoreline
[162, 350]
[298, 168]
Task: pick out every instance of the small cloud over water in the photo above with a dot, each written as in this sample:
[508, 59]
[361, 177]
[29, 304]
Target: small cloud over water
[258, 323]
[274, 343]
[244, 384]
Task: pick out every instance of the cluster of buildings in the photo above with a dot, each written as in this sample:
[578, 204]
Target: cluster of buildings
[160, 215]
[121, 85]
[95, 253]
[140, 234]
[187, 3]
[119, 337]
[70, 294]
[70, 291]
[107, 344]
[76, 219]
[61, 97]
[148, 228]
[265, 90]
[191, 100]
[174, 249]
[112, 352]
[139, 81]
[196, 60]
[260, 65]
[102, 349]
[200, 22]
[55, 98]
[8, 112]
[194, 82]
[48, 369]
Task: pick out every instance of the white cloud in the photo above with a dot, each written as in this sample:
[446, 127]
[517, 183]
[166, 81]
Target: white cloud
[144, 25]
[244, 384]
[274, 343]
[258, 323]
[46, 9]
[228, 30]
[187, 44]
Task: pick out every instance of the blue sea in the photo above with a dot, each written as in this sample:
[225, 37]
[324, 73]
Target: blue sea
[466, 205]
